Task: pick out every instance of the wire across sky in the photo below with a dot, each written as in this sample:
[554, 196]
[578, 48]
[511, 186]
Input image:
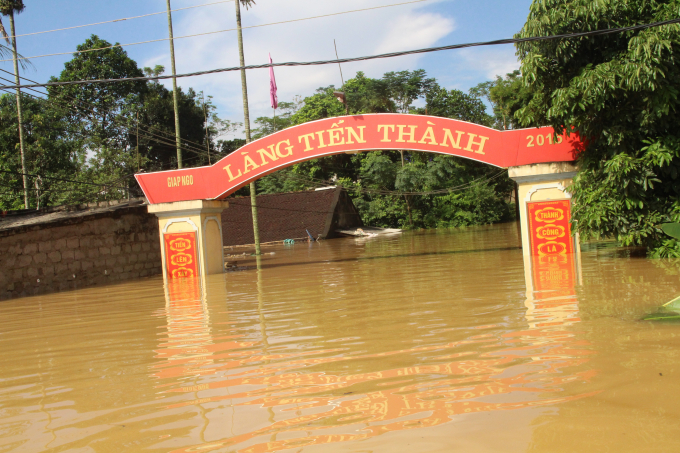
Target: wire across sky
[122, 19]
[211, 32]
[602, 32]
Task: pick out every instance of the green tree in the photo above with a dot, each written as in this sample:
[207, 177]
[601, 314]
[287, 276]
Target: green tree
[100, 114]
[404, 87]
[156, 71]
[455, 104]
[478, 199]
[268, 125]
[379, 181]
[104, 116]
[157, 119]
[506, 95]
[321, 104]
[619, 92]
[50, 153]
[100, 105]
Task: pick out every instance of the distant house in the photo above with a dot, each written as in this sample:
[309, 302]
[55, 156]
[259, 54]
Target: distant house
[290, 215]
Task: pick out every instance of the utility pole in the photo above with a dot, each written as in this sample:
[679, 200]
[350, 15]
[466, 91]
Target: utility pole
[246, 121]
[20, 118]
[341, 95]
[138, 159]
[207, 132]
[174, 89]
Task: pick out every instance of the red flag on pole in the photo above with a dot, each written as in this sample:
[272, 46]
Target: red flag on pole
[272, 85]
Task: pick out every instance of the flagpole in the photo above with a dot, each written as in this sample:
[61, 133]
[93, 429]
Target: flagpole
[272, 90]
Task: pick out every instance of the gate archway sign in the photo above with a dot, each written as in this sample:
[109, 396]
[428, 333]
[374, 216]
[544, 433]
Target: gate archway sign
[358, 133]
[187, 202]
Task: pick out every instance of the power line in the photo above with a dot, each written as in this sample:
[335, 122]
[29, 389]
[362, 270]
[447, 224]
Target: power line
[459, 188]
[32, 89]
[89, 108]
[152, 137]
[118, 20]
[161, 141]
[54, 179]
[217, 31]
[606, 31]
[400, 193]
[122, 178]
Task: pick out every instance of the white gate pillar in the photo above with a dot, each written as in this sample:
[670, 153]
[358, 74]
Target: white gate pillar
[191, 237]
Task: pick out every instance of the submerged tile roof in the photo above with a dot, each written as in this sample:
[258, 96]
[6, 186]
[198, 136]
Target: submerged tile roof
[288, 216]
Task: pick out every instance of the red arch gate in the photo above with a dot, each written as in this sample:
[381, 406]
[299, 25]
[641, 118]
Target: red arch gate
[187, 201]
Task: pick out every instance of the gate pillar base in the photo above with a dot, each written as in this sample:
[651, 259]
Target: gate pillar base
[191, 237]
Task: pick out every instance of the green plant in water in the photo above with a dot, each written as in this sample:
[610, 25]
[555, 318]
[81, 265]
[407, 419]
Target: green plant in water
[669, 248]
[671, 229]
[669, 311]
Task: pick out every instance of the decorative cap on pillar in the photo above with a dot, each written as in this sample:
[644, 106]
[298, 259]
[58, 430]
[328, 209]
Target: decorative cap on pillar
[187, 207]
[542, 172]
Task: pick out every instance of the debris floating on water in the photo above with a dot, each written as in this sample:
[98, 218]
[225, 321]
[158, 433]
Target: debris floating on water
[369, 231]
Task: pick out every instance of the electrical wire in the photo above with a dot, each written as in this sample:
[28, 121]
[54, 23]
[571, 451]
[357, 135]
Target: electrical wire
[12, 186]
[152, 137]
[400, 193]
[602, 32]
[169, 141]
[217, 31]
[118, 20]
[31, 89]
[91, 108]
[55, 179]
[97, 191]
[51, 189]
[236, 201]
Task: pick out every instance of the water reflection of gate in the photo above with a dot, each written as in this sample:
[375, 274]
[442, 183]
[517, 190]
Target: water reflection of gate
[189, 340]
[523, 369]
[188, 348]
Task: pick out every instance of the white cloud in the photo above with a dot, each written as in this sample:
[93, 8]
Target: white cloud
[414, 32]
[357, 34]
[491, 62]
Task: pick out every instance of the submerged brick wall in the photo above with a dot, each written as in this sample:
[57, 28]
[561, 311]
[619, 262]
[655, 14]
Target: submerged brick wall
[67, 249]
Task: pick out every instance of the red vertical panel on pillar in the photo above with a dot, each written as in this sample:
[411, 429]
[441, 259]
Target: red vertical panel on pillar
[180, 254]
[552, 246]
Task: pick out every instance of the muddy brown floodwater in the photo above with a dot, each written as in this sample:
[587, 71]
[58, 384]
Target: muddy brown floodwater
[421, 342]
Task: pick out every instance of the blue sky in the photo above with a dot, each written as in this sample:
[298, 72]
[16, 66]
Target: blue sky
[416, 25]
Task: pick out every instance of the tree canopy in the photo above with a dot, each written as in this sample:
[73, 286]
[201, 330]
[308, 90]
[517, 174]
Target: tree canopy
[88, 134]
[86, 141]
[620, 93]
[378, 179]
